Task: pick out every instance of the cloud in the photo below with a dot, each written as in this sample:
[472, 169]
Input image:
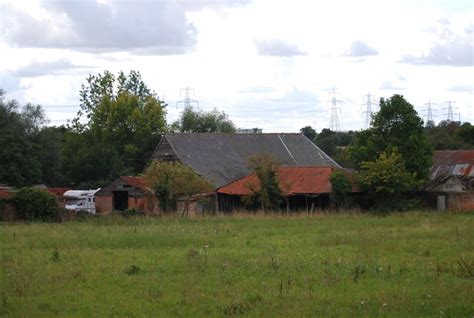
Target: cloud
[450, 50]
[462, 88]
[359, 48]
[153, 27]
[36, 68]
[277, 47]
[398, 82]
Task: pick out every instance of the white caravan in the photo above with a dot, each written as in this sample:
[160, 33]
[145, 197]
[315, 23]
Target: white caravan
[80, 200]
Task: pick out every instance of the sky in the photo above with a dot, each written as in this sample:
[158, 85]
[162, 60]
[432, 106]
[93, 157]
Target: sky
[270, 64]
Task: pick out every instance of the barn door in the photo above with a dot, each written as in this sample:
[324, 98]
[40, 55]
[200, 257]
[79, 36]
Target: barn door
[120, 200]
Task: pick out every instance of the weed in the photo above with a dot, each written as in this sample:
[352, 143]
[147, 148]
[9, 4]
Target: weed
[54, 256]
[132, 270]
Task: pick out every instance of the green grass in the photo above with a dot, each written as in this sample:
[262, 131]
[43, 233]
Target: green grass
[404, 265]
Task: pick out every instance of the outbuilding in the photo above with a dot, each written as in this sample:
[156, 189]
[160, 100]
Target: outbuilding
[124, 193]
[451, 184]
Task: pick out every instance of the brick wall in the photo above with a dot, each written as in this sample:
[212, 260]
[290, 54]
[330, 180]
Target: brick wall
[103, 204]
[461, 201]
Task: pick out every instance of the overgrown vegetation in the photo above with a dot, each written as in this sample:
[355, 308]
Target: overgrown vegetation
[341, 189]
[403, 265]
[267, 195]
[172, 180]
[36, 205]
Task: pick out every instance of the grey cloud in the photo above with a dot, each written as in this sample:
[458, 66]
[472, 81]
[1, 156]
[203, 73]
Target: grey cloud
[36, 68]
[462, 88]
[360, 48]
[152, 27]
[277, 47]
[451, 50]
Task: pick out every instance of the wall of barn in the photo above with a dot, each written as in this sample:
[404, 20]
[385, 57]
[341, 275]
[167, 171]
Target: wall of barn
[461, 201]
[103, 204]
[149, 205]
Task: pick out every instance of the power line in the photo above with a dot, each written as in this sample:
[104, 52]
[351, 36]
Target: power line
[450, 113]
[334, 109]
[369, 101]
[429, 113]
[187, 101]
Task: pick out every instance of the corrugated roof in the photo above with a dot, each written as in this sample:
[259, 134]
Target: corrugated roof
[222, 158]
[292, 180]
[452, 163]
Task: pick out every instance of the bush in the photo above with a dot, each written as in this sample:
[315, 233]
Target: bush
[341, 188]
[36, 205]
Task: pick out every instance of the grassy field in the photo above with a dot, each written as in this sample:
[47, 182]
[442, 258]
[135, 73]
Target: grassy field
[406, 265]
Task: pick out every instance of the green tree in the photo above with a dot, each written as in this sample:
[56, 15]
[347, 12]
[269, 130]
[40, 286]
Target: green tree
[395, 126]
[387, 182]
[309, 132]
[36, 204]
[19, 154]
[199, 121]
[116, 130]
[268, 195]
[341, 188]
[172, 180]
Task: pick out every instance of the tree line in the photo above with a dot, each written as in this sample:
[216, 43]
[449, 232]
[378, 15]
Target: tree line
[116, 130]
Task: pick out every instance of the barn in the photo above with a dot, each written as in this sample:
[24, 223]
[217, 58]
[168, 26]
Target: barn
[304, 188]
[223, 158]
[451, 184]
[124, 193]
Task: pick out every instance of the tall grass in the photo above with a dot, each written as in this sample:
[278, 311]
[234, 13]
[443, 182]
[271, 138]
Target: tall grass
[411, 264]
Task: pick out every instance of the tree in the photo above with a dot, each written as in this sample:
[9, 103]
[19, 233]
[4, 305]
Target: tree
[19, 153]
[119, 125]
[396, 126]
[36, 204]
[268, 195]
[172, 180]
[450, 135]
[309, 132]
[199, 121]
[341, 188]
[387, 182]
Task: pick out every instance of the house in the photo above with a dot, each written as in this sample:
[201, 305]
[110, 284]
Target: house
[223, 158]
[126, 193]
[304, 188]
[451, 184]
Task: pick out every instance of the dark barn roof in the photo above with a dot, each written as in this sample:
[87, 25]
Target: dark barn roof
[222, 158]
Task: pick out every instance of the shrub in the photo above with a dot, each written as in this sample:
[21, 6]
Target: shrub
[36, 205]
[341, 188]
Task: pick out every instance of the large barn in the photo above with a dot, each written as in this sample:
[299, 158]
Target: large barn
[223, 158]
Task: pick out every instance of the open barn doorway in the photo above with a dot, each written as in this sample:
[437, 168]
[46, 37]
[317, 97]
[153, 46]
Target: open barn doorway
[120, 200]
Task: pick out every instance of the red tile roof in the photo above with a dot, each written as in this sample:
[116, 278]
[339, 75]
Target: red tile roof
[136, 182]
[453, 157]
[57, 191]
[293, 180]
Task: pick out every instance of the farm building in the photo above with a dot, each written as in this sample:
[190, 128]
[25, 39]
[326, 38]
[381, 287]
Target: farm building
[451, 183]
[223, 158]
[305, 188]
[126, 193]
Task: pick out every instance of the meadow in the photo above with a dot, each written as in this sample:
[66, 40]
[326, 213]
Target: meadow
[405, 265]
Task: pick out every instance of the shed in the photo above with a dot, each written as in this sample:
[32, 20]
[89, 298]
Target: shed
[305, 187]
[451, 184]
[126, 192]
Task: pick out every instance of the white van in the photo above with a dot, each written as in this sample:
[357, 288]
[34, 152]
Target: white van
[80, 200]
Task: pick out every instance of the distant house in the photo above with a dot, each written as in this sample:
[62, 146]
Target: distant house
[305, 188]
[126, 193]
[451, 184]
[223, 158]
